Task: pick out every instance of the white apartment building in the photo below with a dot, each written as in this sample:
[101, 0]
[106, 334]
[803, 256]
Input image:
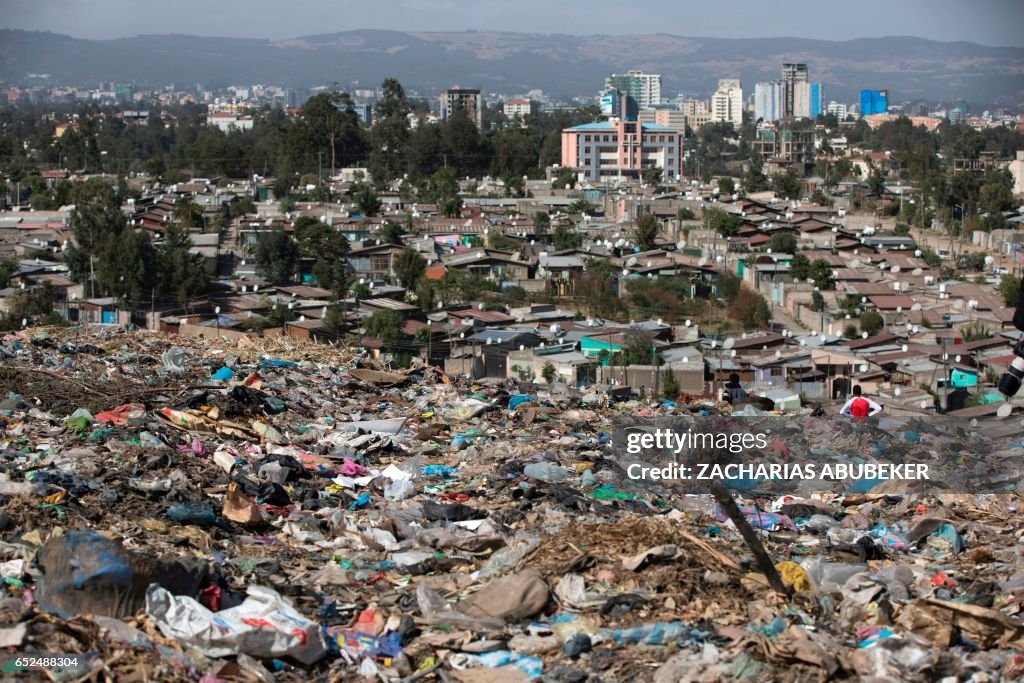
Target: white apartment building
[727, 102]
[520, 107]
[836, 108]
[227, 121]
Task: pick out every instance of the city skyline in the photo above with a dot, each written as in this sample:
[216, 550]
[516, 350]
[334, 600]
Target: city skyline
[989, 22]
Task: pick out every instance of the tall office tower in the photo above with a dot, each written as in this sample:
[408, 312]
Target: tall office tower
[768, 101]
[643, 89]
[792, 75]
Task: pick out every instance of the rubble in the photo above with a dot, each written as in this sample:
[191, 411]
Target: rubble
[276, 510]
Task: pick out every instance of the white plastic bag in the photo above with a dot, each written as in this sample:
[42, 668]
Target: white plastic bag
[265, 625]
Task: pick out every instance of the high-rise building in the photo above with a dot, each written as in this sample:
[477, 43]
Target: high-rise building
[874, 102]
[295, 97]
[792, 75]
[768, 101]
[464, 99]
[727, 102]
[643, 89]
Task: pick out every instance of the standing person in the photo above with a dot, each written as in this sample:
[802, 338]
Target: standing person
[859, 407]
[733, 391]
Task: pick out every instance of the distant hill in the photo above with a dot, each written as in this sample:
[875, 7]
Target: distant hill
[911, 68]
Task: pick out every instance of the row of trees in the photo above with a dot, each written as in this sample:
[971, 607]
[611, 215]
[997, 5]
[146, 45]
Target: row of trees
[325, 135]
[115, 260]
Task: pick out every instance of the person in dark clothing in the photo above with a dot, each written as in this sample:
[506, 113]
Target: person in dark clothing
[733, 391]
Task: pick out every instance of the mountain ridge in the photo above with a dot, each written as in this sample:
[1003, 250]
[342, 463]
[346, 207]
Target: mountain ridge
[564, 65]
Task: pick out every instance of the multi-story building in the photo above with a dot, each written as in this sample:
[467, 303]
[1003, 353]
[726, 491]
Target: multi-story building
[227, 121]
[622, 149]
[794, 147]
[643, 89]
[807, 100]
[727, 102]
[520, 107]
[295, 97]
[768, 101]
[673, 118]
[792, 75]
[837, 108]
[874, 102]
[365, 112]
[464, 99]
[695, 107]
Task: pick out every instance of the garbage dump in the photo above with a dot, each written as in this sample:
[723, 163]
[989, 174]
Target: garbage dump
[273, 510]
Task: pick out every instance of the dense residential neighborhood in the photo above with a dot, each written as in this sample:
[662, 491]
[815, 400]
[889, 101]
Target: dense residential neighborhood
[803, 262]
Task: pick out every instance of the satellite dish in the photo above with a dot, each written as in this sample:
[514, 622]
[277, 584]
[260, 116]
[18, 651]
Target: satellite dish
[956, 358]
[728, 343]
[904, 348]
[688, 323]
[863, 367]
[1004, 410]
[863, 335]
[896, 391]
[916, 307]
[924, 405]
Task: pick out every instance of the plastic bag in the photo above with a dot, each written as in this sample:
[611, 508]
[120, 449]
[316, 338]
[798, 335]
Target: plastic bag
[265, 625]
[436, 611]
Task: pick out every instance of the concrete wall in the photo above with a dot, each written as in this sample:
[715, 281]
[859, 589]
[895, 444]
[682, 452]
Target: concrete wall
[690, 380]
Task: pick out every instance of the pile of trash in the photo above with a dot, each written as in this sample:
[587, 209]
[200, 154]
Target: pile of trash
[176, 509]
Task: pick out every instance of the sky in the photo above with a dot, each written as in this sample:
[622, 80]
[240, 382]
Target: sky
[989, 22]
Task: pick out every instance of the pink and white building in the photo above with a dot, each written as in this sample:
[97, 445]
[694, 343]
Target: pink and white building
[622, 149]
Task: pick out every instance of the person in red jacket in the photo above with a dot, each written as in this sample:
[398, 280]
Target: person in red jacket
[859, 407]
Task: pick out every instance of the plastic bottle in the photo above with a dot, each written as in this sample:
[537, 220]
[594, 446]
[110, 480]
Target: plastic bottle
[546, 471]
[652, 634]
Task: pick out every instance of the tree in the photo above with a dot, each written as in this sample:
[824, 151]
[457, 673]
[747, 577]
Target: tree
[328, 122]
[646, 231]
[850, 331]
[387, 327]
[389, 136]
[750, 309]
[181, 274]
[425, 295]
[409, 267]
[722, 222]
[97, 217]
[548, 372]
[670, 387]
[566, 178]
[817, 301]
[653, 176]
[1009, 289]
[726, 185]
[800, 267]
[728, 286]
[638, 349]
[754, 179]
[821, 274]
[871, 322]
[334, 321]
[541, 222]
[581, 206]
[276, 256]
[783, 243]
[367, 202]
[391, 233]
[786, 185]
[187, 213]
[876, 184]
[685, 213]
[567, 238]
[7, 269]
